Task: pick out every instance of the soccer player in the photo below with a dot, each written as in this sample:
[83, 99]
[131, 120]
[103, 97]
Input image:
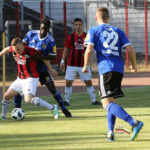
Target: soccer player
[75, 42]
[27, 78]
[43, 41]
[107, 42]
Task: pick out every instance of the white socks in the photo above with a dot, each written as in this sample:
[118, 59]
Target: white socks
[68, 92]
[5, 107]
[91, 91]
[39, 102]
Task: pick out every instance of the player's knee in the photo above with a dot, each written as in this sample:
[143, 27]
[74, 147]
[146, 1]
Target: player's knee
[88, 83]
[106, 101]
[51, 87]
[27, 101]
[28, 98]
[69, 83]
[7, 96]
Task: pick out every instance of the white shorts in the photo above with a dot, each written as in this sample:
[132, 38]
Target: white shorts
[25, 86]
[71, 73]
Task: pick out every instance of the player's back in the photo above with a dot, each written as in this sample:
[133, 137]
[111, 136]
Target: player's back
[108, 44]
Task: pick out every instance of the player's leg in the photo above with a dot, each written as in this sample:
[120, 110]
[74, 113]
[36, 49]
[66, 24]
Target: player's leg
[10, 93]
[18, 101]
[29, 90]
[87, 78]
[110, 87]
[70, 76]
[68, 92]
[46, 79]
[111, 119]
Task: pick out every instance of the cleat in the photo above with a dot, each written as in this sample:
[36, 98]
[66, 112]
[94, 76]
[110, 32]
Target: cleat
[96, 103]
[136, 129]
[110, 136]
[66, 103]
[67, 113]
[55, 112]
[3, 118]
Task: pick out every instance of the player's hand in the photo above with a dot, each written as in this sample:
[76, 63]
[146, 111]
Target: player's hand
[62, 65]
[85, 69]
[54, 73]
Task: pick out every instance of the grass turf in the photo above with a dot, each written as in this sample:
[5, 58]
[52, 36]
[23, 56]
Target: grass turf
[85, 131]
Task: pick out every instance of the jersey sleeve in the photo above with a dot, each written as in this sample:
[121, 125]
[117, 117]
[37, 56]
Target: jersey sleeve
[11, 49]
[90, 37]
[124, 40]
[27, 37]
[50, 48]
[68, 42]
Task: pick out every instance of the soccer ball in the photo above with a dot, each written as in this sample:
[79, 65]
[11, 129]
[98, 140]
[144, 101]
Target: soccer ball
[17, 114]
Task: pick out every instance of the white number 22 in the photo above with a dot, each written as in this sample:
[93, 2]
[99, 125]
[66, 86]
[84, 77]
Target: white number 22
[110, 36]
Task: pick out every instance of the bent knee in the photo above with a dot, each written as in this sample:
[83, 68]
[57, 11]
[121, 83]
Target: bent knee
[106, 101]
[88, 83]
[7, 96]
[69, 82]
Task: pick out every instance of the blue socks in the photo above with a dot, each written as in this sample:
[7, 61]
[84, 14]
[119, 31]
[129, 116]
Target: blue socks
[17, 100]
[59, 99]
[119, 112]
[111, 119]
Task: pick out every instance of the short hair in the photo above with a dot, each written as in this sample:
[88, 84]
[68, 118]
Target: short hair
[46, 22]
[78, 19]
[103, 12]
[16, 41]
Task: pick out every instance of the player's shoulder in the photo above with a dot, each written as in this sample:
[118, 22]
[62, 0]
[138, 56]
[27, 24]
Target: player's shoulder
[33, 32]
[50, 37]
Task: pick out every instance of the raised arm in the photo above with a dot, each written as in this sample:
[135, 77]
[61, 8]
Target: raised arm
[5, 51]
[132, 57]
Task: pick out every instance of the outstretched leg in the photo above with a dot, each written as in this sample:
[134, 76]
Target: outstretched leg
[56, 94]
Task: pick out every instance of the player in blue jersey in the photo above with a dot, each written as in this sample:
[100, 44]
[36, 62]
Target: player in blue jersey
[43, 41]
[107, 42]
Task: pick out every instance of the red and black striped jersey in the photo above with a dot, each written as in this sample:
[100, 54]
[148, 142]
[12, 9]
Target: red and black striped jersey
[27, 67]
[76, 44]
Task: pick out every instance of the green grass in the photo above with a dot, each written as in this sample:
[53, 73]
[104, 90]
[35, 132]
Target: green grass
[85, 131]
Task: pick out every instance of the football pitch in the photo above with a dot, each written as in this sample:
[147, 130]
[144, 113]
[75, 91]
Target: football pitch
[86, 130]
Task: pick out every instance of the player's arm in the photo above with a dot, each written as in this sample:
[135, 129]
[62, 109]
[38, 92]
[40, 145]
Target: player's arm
[68, 44]
[53, 72]
[89, 51]
[5, 51]
[64, 57]
[49, 53]
[49, 57]
[42, 57]
[132, 56]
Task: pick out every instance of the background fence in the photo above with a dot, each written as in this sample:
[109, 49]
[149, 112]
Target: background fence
[132, 16]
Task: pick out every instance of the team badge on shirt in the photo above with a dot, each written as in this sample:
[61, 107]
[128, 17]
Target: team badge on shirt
[43, 46]
[54, 49]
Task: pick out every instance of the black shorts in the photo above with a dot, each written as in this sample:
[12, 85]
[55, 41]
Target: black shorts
[110, 85]
[45, 77]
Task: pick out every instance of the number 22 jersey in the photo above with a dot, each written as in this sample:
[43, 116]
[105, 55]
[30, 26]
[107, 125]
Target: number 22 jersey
[108, 42]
